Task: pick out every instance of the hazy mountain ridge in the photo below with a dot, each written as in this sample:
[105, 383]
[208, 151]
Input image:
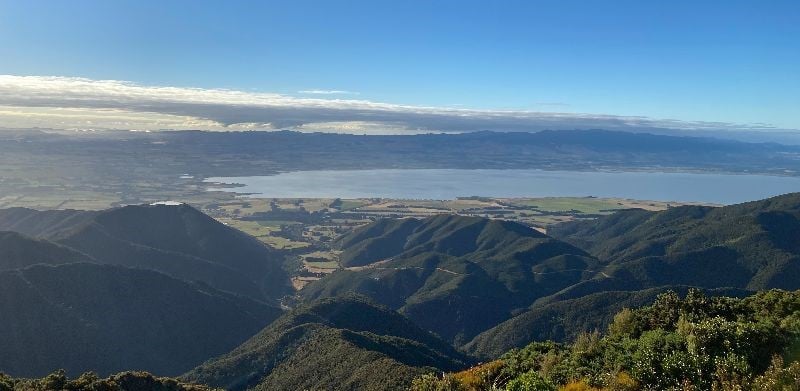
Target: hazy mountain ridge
[178, 240]
[159, 158]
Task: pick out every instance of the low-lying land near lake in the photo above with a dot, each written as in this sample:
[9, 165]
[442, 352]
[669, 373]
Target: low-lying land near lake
[307, 228]
[616, 298]
[49, 169]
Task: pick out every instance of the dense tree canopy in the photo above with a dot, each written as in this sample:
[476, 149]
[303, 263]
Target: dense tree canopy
[126, 381]
[695, 343]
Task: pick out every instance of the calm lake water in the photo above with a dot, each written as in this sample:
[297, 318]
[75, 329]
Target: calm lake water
[449, 184]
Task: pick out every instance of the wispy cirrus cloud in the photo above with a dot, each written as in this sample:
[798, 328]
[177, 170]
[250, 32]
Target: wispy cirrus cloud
[66, 102]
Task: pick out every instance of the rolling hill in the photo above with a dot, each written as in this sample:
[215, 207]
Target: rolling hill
[174, 239]
[18, 251]
[731, 250]
[104, 318]
[342, 343]
[456, 276]
[564, 321]
[754, 245]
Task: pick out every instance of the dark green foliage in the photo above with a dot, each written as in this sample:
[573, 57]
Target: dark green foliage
[125, 381]
[564, 320]
[176, 240]
[754, 245]
[691, 343]
[344, 344]
[376, 242]
[107, 318]
[454, 275]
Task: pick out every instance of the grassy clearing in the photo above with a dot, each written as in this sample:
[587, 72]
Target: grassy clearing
[326, 266]
[567, 204]
[352, 204]
[275, 223]
[263, 233]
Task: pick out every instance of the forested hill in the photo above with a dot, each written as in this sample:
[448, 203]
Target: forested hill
[755, 245]
[454, 275]
[103, 318]
[725, 250]
[343, 343]
[690, 343]
[116, 290]
[490, 286]
[174, 239]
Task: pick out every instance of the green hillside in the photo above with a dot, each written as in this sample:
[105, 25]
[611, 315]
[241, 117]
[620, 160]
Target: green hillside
[106, 319]
[564, 321]
[454, 275]
[755, 245]
[690, 343]
[334, 344]
[174, 239]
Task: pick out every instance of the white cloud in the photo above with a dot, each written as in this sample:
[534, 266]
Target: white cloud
[327, 92]
[65, 102]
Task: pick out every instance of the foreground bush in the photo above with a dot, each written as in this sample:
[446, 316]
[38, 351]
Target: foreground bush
[126, 381]
[691, 343]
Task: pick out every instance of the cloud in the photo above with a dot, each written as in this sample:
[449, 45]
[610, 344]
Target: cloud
[327, 92]
[65, 102]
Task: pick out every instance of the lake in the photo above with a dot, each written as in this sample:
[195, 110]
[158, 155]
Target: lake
[444, 184]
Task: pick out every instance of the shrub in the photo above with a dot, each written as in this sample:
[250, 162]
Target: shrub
[530, 381]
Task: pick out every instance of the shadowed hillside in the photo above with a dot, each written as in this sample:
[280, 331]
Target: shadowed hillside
[564, 321]
[334, 344]
[755, 245]
[694, 342]
[18, 251]
[174, 239]
[454, 275]
[102, 318]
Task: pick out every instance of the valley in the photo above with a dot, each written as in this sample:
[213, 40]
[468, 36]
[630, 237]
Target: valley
[363, 293]
[399, 195]
[307, 229]
[357, 293]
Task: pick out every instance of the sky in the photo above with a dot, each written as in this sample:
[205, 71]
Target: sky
[400, 66]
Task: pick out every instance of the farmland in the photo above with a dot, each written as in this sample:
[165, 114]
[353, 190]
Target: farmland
[307, 228]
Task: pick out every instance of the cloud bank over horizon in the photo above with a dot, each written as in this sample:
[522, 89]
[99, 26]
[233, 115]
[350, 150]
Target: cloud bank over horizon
[87, 104]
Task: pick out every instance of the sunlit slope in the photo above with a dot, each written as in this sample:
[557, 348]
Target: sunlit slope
[334, 344]
[755, 245]
[454, 275]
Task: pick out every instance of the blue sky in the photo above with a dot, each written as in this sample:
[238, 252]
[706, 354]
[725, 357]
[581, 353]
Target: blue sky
[720, 61]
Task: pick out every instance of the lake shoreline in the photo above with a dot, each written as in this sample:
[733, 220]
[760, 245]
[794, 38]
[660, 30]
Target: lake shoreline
[444, 184]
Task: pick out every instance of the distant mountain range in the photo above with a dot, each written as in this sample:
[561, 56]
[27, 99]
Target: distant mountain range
[136, 167]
